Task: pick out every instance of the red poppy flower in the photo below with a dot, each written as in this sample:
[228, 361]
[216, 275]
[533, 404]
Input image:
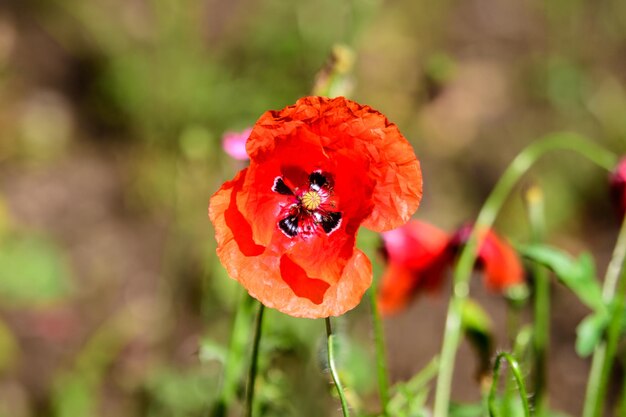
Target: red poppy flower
[617, 181]
[416, 258]
[500, 263]
[419, 253]
[286, 225]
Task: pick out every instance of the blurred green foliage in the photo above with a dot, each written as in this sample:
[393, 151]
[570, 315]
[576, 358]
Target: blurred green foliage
[32, 272]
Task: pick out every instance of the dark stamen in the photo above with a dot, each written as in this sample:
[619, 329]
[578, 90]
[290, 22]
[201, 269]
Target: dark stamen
[280, 187]
[331, 222]
[289, 226]
[317, 180]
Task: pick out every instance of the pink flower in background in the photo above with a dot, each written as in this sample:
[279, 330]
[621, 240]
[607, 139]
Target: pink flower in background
[234, 144]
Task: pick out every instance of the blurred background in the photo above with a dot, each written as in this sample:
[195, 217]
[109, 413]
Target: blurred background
[112, 302]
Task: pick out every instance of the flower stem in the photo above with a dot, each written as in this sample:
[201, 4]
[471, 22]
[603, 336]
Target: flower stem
[233, 369]
[621, 408]
[381, 360]
[517, 374]
[613, 293]
[333, 368]
[541, 305]
[485, 219]
[258, 327]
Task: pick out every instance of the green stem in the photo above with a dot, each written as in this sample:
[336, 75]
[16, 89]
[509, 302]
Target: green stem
[614, 292]
[234, 367]
[381, 357]
[485, 219]
[541, 306]
[621, 411]
[517, 374]
[513, 326]
[333, 368]
[258, 328]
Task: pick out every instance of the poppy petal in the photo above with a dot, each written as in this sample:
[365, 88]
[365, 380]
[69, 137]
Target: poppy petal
[302, 285]
[418, 256]
[326, 253]
[415, 244]
[267, 276]
[501, 263]
[341, 124]
[396, 289]
[224, 204]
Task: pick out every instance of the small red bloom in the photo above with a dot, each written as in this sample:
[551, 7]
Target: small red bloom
[419, 253]
[416, 256]
[500, 263]
[617, 181]
[286, 225]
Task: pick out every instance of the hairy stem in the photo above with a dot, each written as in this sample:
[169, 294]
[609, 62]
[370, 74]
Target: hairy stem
[517, 374]
[333, 368]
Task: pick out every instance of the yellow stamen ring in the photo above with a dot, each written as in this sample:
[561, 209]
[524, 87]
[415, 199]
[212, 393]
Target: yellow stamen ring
[311, 200]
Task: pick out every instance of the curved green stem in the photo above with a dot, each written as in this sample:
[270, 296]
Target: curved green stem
[614, 292]
[254, 360]
[485, 219]
[333, 368]
[517, 374]
[381, 360]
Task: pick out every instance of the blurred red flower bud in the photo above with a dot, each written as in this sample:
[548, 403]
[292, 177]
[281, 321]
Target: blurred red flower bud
[418, 254]
[499, 262]
[416, 258]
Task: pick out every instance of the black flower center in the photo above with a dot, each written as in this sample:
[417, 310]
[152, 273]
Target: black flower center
[310, 209]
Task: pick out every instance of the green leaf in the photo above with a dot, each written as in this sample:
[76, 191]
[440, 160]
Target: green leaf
[210, 350]
[579, 275]
[478, 330]
[32, 271]
[589, 333]
[474, 318]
